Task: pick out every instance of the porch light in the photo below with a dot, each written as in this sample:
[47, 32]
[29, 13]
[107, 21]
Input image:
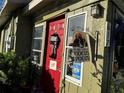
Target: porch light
[95, 10]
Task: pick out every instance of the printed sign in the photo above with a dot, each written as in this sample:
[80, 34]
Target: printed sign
[76, 72]
[81, 54]
[53, 65]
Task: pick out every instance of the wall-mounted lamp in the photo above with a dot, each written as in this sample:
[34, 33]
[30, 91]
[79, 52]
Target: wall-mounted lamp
[95, 10]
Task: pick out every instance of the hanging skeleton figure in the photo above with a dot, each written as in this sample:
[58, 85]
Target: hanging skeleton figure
[54, 42]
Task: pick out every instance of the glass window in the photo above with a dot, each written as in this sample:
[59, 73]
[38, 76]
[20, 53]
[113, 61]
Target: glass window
[38, 31]
[76, 48]
[37, 43]
[36, 56]
[75, 24]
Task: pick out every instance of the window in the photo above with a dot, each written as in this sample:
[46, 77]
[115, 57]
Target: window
[38, 44]
[7, 39]
[76, 51]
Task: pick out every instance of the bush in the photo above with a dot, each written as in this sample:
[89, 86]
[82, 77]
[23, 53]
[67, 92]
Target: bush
[117, 86]
[14, 71]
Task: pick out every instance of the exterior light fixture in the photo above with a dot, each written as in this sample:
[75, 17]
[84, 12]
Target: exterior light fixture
[95, 10]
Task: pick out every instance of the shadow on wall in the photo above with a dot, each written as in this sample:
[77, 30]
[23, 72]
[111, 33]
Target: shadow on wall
[47, 83]
[35, 79]
[42, 81]
[98, 72]
[96, 56]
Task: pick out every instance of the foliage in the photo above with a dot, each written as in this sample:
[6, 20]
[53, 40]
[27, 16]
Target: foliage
[117, 86]
[14, 71]
[35, 74]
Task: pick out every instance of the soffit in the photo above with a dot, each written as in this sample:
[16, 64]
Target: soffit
[10, 6]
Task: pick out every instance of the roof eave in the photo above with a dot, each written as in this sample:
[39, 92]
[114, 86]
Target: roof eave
[8, 7]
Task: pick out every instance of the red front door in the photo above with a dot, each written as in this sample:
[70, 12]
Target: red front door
[52, 65]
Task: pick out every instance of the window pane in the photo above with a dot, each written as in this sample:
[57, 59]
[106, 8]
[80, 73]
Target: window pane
[37, 44]
[38, 31]
[75, 24]
[36, 56]
[73, 66]
[12, 42]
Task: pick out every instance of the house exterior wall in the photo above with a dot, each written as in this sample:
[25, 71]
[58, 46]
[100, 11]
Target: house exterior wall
[91, 84]
[23, 29]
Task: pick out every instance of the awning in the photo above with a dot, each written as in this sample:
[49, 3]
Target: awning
[8, 7]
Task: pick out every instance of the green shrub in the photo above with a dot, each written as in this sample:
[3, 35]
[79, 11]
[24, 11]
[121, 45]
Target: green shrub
[14, 71]
[117, 86]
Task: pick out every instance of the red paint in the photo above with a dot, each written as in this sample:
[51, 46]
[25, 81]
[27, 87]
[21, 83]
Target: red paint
[51, 78]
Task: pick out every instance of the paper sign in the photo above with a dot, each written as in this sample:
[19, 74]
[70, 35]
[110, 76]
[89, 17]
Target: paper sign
[76, 72]
[53, 65]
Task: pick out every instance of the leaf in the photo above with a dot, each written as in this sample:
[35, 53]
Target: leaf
[3, 77]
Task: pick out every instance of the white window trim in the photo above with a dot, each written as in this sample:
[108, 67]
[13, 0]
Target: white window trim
[73, 15]
[67, 77]
[36, 50]
[38, 38]
[7, 33]
[43, 43]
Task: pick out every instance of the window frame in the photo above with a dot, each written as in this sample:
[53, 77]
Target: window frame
[67, 77]
[42, 38]
[7, 32]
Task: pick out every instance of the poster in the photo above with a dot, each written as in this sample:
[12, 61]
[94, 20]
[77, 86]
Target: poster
[76, 71]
